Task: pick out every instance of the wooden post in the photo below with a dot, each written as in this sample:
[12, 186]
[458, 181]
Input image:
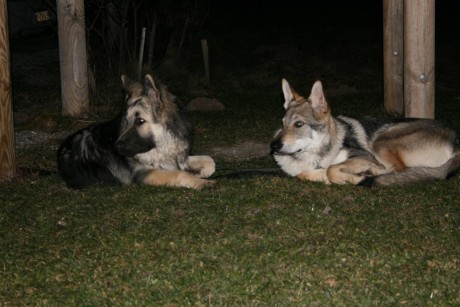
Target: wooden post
[393, 55]
[152, 43]
[419, 77]
[204, 47]
[72, 56]
[141, 55]
[7, 153]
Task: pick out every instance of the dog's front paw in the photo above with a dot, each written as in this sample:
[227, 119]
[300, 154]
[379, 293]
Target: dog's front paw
[343, 176]
[207, 171]
[204, 184]
[201, 166]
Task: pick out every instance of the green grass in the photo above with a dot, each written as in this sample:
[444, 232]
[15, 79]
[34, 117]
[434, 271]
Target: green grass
[260, 241]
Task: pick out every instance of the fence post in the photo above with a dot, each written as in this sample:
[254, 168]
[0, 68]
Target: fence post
[7, 152]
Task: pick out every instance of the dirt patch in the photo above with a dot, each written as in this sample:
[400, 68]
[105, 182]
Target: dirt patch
[242, 151]
[27, 138]
[205, 104]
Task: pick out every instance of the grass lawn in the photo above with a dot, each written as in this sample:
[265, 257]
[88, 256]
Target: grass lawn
[261, 241]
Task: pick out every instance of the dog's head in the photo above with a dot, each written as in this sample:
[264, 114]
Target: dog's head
[305, 122]
[143, 121]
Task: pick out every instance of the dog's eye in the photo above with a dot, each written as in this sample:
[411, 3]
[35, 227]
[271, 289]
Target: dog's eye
[139, 121]
[298, 124]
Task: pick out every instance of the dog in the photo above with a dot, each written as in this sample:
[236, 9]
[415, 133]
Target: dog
[148, 144]
[314, 145]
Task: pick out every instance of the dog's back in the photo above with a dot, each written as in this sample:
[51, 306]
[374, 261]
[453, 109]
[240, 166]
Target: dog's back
[87, 157]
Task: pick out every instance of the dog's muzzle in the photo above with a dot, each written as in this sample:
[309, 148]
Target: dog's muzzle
[130, 148]
[276, 146]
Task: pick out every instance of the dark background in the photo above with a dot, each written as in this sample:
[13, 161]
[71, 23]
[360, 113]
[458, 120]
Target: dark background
[252, 45]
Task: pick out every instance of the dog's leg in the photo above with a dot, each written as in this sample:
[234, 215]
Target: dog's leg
[341, 174]
[173, 179]
[315, 175]
[203, 166]
[354, 170]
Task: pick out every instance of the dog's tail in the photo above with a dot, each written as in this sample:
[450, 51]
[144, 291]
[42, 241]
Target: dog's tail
[417, 174]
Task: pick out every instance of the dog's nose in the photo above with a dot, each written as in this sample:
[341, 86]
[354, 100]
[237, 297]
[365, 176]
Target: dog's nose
[276, 145]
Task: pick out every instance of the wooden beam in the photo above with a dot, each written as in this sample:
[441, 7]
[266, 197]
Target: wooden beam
[7, 152]
[419, 48]
[72, 56]
[393, 55]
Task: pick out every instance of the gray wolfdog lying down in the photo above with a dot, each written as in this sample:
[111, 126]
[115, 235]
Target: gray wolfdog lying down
[149, 144]
[314, 145]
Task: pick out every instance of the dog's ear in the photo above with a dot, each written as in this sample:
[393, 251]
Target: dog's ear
[132, 88]
[287, 92]
[290, 94]
[318, 100]
[152, 91]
